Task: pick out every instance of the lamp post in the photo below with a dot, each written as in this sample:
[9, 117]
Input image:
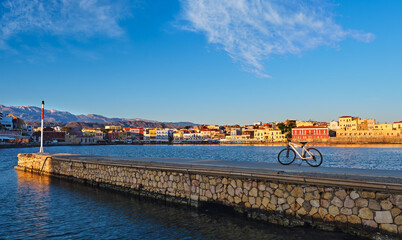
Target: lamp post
[41, 131]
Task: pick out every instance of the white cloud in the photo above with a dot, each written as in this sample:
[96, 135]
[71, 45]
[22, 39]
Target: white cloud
[251, 31]
[77, 18]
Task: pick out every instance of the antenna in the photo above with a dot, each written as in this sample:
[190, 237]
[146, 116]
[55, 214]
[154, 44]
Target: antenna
[41, 131]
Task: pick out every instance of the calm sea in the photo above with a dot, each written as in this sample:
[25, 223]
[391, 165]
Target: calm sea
[38, 207]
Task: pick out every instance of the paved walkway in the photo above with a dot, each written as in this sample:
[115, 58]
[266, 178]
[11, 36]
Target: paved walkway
[366, 175]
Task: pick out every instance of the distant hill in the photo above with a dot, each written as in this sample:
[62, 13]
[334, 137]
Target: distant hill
[182, 124]
[33, 114]
[132, 123]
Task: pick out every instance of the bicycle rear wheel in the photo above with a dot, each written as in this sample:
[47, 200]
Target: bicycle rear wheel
[286, 156]
[317, 157]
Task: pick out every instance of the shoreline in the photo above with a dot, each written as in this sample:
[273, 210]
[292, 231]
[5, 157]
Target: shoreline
[351, 145]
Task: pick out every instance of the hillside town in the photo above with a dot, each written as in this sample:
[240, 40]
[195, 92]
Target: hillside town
[348, 129]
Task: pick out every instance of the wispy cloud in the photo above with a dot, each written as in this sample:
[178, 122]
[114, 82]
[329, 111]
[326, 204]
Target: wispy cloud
[251, 31]
[60, 18]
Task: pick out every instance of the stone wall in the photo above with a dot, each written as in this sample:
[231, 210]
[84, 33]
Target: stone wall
[363, 212]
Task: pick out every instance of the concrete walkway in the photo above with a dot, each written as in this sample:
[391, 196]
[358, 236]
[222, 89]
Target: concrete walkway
[249, 168]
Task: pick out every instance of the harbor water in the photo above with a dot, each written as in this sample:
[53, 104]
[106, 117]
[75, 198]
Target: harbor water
[38, 207]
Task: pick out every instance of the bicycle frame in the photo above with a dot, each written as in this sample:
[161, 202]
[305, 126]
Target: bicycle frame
[304, 151]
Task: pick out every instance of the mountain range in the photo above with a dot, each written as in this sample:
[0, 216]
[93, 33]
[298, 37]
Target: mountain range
[33, 114]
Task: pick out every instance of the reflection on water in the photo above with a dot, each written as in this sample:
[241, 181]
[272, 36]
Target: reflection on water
[46, 207]
[39, 207]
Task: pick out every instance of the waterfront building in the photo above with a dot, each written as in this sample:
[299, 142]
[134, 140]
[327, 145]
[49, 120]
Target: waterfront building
[216, 127]
[333, 125]
[193, 137]
[49, 135]
[18, 123]
[349, 122]
[113, 136]
[99, 136]
[163, 134]
[137, 134]
[304, 123]
[311, 132]
[370, 134]
[88, 131]
[385, 126]
[236, 131]
[7, 123]
[117, 128]
[28, 128]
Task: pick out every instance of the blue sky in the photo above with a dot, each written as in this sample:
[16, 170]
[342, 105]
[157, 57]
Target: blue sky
[224, 62]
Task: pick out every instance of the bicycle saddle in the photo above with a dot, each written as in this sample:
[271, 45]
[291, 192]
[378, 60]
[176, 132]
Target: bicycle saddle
[303, 143]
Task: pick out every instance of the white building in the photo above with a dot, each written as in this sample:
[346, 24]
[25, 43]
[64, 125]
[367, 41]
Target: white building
[28, 127]
[333, 125]
[7, 123]
[163, 134]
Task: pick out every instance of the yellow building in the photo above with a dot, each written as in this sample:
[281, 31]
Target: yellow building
[349, 123]
[269, 135]
[304, 123]
[385, 126]
[152, 133]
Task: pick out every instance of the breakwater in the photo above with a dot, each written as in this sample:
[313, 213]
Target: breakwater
[366, 203]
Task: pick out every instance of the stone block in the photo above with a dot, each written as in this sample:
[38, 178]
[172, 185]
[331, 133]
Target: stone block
[386, 205]
[333, 210]
[265, 202]
[290, 200]
[308, 196]
[281, 201]
[361, 202]
[301, 211]
[367, 195]
[341, 218]
[353, 219]
[300, 201]
[392, 228]
[381, 196]
[326, 195]
[369, 223]
[395, 212]
[313, 211]
[383, 217]
[324, 203]
[231, 191]
[297, 192]
[314, 203]
[346, 211]
[322, 212]
[337, 201]
[374, 205]
[349, 203]
[366, 213]
[341, 194]
[253, 192]
[397, 200]
[354, 195]
[278, 193]
[398, 220]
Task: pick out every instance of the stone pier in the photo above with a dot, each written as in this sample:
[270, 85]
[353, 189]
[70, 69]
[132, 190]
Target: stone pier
[360, 202]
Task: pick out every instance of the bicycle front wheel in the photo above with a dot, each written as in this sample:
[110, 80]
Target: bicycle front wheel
[286, 156]
[315, 159]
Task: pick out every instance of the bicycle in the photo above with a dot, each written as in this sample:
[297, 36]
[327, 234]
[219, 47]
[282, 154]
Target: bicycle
[287, 156]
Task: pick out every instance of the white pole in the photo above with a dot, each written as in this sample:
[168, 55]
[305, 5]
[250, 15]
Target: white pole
[41, 131]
